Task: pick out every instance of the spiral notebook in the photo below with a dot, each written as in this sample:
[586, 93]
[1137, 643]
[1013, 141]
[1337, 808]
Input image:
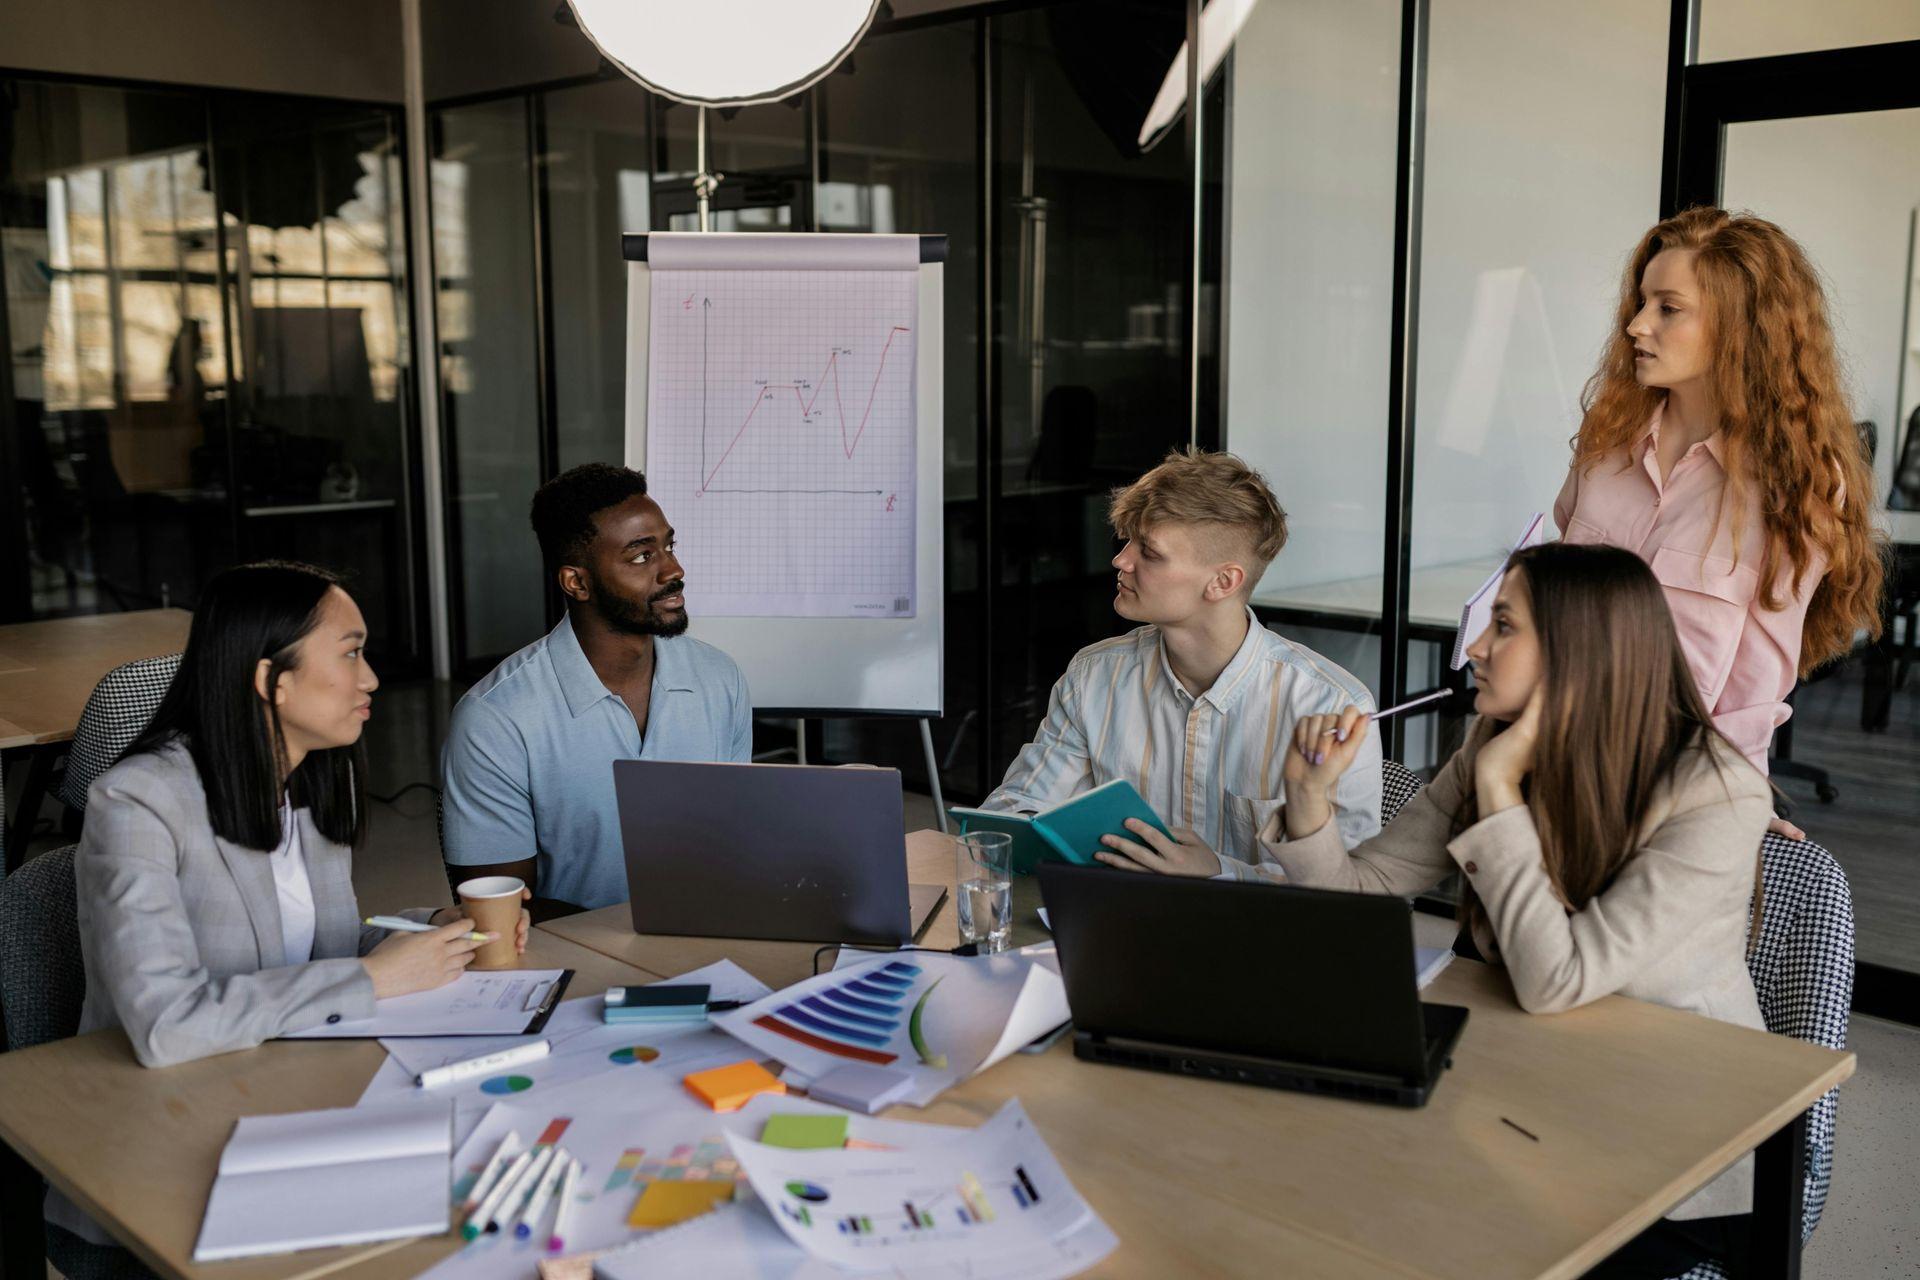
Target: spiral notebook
[1478, 612]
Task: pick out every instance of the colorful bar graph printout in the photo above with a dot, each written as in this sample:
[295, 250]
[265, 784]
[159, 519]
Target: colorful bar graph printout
[708, 1160]
[856, 1019]
[623, 1168]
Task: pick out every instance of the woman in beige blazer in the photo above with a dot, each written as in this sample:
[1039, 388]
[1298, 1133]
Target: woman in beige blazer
[214, 875]
[1608, 836]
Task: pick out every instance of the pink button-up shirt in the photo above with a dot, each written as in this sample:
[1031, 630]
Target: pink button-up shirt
[1744, 656]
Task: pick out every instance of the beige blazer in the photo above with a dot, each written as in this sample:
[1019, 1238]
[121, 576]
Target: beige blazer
[1671, 929]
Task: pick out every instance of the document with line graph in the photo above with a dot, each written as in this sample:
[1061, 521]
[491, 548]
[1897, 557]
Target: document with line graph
[780, 437]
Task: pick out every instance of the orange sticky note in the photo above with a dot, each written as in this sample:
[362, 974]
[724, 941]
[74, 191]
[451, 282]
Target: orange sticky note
[663, 1204]
[730, 1088]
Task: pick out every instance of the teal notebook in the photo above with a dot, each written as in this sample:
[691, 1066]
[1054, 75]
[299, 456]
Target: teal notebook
[1067, 832]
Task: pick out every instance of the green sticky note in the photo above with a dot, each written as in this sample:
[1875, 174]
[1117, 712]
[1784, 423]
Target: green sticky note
[805, 1133]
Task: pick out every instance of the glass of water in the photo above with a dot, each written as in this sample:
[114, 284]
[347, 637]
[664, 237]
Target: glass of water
[983, 880]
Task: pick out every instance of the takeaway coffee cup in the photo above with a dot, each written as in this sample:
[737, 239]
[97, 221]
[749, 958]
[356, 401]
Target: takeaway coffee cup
[493, 904]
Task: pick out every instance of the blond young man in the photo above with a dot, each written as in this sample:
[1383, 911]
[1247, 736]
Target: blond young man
[1196, 706]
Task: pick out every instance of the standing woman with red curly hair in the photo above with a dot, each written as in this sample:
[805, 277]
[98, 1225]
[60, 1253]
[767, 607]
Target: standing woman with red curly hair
[1718, 445]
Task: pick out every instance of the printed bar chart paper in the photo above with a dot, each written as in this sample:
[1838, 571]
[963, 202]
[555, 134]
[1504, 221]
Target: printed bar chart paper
[983, 1200]
[780, 437]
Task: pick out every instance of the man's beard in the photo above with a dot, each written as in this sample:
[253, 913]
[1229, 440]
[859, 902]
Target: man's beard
[639, 619]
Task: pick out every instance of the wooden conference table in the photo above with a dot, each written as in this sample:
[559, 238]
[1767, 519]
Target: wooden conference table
[1630, 1107]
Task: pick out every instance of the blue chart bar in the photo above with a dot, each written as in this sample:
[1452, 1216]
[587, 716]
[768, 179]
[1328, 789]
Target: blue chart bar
[832, 1010]
[842, 996]
[795, 1014]
[876, 990]
[856, 1226]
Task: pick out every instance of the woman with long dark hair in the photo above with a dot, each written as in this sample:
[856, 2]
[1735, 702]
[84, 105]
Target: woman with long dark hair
[214, 874]
[1608, 836]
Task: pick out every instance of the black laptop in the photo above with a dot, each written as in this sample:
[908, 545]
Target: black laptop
[795, 852]
[1289, 988]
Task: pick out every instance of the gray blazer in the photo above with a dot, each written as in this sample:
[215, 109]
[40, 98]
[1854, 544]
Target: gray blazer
[181, 929]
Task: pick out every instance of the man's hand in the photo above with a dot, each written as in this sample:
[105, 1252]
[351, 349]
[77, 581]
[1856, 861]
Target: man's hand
[1182, 854]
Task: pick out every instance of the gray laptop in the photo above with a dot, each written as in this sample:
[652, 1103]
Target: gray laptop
[793, 852]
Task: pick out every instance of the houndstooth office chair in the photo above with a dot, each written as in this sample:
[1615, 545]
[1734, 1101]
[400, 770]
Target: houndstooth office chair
[42, 986]
[1398, 784]
[1801, 965]
[118, 709]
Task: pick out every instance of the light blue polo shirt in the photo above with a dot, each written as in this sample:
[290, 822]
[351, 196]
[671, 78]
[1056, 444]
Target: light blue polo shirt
[528, 765]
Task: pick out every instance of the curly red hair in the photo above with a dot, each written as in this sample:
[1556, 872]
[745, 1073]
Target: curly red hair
[1790, 438]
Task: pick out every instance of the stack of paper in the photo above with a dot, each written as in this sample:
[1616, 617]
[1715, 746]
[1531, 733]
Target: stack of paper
[936, 1018]
[317, 1178]
[990, 1202]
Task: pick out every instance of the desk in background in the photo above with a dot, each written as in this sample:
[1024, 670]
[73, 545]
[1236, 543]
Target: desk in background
[1435, 596]
[47, 672]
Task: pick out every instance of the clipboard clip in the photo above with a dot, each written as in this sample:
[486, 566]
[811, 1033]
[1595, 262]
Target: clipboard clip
[542, 999]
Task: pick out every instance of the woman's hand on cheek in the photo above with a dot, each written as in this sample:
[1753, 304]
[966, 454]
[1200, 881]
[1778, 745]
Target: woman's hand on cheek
[1507, 759]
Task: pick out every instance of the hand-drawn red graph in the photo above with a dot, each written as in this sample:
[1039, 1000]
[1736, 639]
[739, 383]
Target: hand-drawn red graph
[806, 404]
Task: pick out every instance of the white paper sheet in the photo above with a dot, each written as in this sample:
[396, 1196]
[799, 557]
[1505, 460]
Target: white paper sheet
[991, 1200]
[583, 1046]
[317, 1178]
[474, 1004]
[600, 1121]
[571, 1020]
[742, 1240]
[971, 1011]
[781, 433]
[1428, 962]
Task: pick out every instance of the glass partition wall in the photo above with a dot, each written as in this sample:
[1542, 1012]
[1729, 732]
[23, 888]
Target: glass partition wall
[1403, 273]
[205, 299]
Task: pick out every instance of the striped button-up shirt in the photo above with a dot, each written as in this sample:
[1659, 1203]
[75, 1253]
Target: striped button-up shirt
[1212, 762]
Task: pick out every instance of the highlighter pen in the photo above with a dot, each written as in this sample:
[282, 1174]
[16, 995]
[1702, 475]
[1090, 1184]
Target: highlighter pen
[536, 1207]
[400, 924]
[476, 1223]
[563, 1216]
[508, 1148]
[518, 1056]
[503, 1213]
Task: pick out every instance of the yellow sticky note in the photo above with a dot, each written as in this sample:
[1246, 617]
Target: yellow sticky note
[663, 1204]
[730, 1088]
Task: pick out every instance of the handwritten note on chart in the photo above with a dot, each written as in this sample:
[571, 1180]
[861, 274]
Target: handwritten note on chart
[780, 431]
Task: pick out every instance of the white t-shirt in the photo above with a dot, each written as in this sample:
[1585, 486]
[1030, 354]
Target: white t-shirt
[295, 891]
